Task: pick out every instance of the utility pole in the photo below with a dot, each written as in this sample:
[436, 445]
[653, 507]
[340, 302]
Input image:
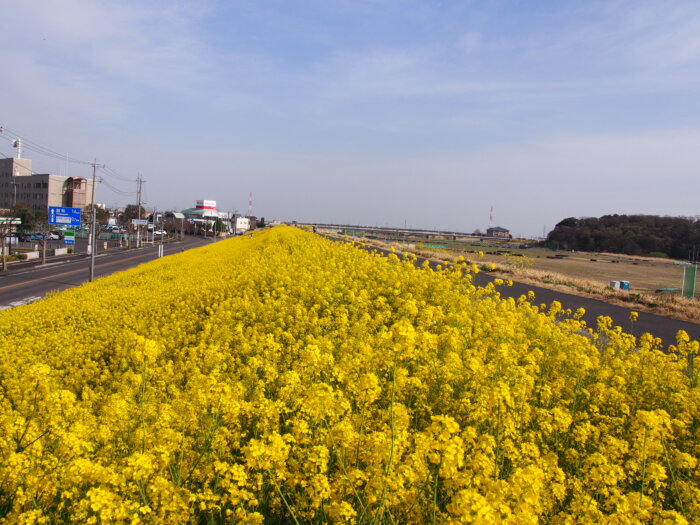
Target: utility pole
[162, 225]
[92, 241]
[139, 184]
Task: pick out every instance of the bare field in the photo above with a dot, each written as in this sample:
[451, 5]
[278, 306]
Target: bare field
[643, 274]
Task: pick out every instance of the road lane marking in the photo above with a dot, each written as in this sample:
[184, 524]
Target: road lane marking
[26, 300]
[7, 286]
[141, 252]
[47, 265]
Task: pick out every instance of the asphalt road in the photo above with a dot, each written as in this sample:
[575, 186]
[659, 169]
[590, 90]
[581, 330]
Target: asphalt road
[29, 281]
[663, 327]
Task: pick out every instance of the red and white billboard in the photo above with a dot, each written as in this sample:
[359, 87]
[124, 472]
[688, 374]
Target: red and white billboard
[206, 205]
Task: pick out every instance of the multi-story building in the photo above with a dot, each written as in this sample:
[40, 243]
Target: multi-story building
[18, 184]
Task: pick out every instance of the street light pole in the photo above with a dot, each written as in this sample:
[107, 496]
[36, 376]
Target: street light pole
[92, 241]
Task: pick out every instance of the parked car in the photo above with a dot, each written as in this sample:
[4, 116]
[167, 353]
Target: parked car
[160, 232]
[60, 233]
[52, 236]
[26, 237]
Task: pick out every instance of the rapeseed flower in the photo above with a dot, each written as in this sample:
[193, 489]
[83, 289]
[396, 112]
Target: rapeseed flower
[285, 377]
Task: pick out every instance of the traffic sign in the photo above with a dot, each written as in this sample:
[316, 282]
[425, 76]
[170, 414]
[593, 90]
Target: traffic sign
[10, 220]
[68, 237]
[139, 222]
[64, 216]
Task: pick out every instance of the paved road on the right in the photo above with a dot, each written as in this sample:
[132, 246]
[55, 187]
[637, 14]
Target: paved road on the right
[657, 325]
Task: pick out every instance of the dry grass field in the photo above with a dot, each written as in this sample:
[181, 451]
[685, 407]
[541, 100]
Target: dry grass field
[644, 274]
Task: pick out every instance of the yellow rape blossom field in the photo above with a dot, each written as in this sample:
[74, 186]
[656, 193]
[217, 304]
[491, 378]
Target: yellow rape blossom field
[285, 378]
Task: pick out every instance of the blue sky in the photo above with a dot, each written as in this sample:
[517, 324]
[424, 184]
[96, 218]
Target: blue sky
[367, 111]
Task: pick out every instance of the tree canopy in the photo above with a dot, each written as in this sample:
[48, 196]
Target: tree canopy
[101, 214]
[132, 212]
[628, 234]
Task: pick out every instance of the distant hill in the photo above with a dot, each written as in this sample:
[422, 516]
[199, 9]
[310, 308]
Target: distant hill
[675, 237]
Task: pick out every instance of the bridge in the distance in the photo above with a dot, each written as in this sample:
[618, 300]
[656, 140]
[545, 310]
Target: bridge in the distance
[357, 230]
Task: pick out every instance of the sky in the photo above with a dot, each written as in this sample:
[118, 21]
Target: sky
[426, 114]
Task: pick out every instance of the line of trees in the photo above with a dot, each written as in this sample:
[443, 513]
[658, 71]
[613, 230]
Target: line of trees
[675, 237]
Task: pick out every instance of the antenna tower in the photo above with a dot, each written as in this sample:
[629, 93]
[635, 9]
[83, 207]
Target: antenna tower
[250, 204]
[18, 144]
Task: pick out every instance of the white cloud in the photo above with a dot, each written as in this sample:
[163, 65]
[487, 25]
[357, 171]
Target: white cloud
[667, 36]
[638, 37]
[89, 56]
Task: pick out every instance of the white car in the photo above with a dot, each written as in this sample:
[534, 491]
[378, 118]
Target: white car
[53, 236]
[160, 232]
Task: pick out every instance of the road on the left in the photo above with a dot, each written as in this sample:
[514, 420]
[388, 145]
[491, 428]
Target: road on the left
[25, 284]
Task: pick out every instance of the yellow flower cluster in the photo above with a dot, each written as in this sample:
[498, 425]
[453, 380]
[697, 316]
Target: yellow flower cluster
[287, 378]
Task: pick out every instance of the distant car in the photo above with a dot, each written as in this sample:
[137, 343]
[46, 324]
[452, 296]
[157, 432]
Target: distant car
[52, 236]
[60, 233]
[160, 232]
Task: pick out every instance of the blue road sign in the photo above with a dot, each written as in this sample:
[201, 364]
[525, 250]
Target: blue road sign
[64, 216]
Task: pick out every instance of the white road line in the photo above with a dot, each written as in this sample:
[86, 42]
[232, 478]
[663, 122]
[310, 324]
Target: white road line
[26, 300]
[53, 264]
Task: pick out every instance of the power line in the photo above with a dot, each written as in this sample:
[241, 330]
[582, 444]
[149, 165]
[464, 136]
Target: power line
[117, 190]
[31, 172]
[113, 173]
[38, 148]
[31, 145]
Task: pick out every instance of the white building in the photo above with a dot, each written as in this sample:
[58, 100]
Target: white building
[241, 225]
[201, 219]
